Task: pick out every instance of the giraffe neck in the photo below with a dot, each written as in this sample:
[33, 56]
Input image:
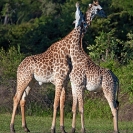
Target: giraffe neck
[75, 47]
[77, 52]
[59, 49]
[88, 17]
[88, 21]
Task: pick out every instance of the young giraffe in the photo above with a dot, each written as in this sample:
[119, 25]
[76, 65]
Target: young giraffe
[86, 74]
[51, 66]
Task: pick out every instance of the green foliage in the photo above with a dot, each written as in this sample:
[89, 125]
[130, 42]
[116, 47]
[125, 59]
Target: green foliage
[43, 105]
[48, 7]
[127, 53]
[108, 47]
[126, 78]
[37, 110]
[9, 62]
[124, 5]
[97, 108]
[38, 24]
[33, 37]
[104, 48]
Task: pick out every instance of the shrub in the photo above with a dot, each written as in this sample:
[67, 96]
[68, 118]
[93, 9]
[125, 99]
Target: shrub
[9, 61]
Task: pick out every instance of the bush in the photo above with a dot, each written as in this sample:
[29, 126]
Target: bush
[97, 108]
[9, 61]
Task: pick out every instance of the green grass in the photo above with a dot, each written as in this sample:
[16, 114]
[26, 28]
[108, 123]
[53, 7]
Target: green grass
[43, 124]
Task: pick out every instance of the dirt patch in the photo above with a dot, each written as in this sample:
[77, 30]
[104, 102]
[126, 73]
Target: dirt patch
[126, 109]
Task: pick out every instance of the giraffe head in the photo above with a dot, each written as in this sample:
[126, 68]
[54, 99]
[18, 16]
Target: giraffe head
[80, 19]
[93, 10]
[77, 5]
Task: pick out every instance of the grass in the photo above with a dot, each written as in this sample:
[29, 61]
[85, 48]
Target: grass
[43, 124]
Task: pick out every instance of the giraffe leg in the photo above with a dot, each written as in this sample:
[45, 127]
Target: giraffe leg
[62, 101]
[115, 120]
[74, 108]
[19, 91]
[81, 108]
[16, 100]
[22, 104]
[114, 109]
[56, 104]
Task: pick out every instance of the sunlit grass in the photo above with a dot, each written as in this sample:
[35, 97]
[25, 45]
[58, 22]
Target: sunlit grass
[43, 125]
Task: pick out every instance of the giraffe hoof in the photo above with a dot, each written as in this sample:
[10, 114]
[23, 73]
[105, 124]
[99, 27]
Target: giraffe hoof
[53, 130]
[73, 130]
[116, 132]
[26, 129]
[83, 130]
[12, 130]
[62, 129]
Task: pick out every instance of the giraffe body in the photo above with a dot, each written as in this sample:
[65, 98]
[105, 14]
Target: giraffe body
[45, 67]
[94, 80]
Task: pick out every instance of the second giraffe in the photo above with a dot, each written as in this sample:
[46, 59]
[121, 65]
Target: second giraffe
[86, 74]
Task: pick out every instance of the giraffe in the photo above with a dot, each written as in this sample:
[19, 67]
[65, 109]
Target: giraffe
[51, 66]
[86, 74]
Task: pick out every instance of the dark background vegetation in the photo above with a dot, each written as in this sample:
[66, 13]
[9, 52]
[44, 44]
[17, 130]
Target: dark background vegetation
[30, 26]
